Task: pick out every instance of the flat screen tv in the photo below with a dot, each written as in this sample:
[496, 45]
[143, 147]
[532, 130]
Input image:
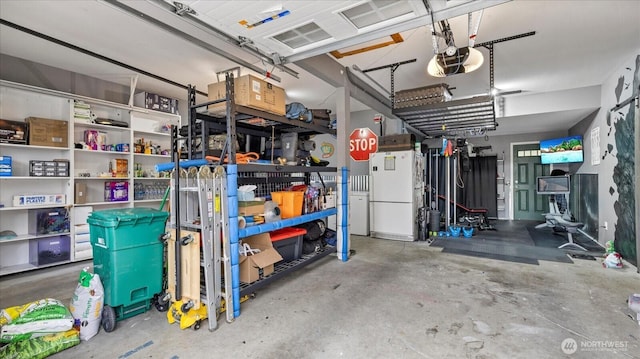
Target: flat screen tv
[561, 150]
[552, 184]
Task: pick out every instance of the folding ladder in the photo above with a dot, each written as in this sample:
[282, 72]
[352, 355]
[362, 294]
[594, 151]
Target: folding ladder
[199, 245]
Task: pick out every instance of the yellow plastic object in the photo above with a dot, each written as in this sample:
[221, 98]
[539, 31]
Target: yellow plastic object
[188, 319]
[193, 316]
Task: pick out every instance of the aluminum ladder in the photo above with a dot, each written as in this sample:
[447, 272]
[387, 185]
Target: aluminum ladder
[200, 244]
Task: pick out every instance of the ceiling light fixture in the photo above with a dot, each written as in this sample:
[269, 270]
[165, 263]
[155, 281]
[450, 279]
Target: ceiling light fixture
[453, 60]
[463, 60]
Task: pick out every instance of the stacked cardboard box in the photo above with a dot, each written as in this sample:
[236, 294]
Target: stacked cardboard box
[250, 91]
[81, 112]
[47, 132]
[55, 168]
[422, 96]
[401, 142]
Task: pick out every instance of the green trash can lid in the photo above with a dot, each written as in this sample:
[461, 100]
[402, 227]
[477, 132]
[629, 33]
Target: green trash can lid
[129, 214]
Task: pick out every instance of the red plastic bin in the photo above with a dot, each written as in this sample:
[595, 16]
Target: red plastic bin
[288, 242]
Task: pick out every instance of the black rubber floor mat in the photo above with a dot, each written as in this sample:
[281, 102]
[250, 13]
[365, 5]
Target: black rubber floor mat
[503, 249]
[582, 256]
[495, 256]
[547, 237]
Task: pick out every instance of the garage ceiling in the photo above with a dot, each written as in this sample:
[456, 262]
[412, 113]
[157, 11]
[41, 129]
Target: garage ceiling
[576, 44]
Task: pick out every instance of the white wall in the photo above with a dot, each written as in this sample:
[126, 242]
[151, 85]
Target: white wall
[325, 149]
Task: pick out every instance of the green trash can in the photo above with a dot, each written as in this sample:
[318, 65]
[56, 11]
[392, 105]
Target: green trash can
[128, 253]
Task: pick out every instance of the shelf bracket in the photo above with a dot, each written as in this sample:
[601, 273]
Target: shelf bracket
[132, 88]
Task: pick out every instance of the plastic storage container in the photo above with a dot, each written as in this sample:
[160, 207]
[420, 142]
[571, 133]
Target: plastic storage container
[290, 203]
[288, 242]
[128, 256]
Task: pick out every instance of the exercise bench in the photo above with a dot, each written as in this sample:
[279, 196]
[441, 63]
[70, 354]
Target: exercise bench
[480, 214]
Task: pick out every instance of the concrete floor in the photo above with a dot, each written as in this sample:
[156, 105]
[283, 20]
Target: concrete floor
[390, 300]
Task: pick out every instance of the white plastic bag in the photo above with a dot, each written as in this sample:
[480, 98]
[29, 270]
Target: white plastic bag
[634, 304]
[612, 260]
[86, 304]
[246, 250]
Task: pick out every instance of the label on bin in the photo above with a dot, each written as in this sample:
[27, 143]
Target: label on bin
[101, 242]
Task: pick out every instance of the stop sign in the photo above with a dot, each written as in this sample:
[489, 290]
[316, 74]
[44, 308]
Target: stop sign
[362, 143]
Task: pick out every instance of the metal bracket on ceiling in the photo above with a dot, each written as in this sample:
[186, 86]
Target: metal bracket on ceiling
[393, 68]
[182, 9]
[489, 45]
[276, 59]
[244, 41]
[235, 70]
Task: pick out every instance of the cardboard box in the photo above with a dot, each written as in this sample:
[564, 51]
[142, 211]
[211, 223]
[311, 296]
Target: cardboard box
[116, 191]
[81, 112]
[13, 132]
[80, 193]
[55, 168]
[47, 132]
[329, 201]
[422, 96]
[259, 265]
[155, 102]
[400, 142]
[6, 166]
[250, 208]
[120, 167]
[250, 91]
[25, 200]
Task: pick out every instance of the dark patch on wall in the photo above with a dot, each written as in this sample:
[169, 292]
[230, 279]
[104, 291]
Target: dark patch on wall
[623, 177]
[624, 172]
[584, 201]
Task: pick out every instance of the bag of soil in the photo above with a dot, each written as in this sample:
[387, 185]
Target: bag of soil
[34, 319]
[86, 304]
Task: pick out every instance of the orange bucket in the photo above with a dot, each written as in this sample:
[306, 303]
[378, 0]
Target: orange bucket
[290, 203]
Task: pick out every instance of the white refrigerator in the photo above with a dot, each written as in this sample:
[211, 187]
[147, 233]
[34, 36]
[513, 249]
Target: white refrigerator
[396, 186]
[359, 213]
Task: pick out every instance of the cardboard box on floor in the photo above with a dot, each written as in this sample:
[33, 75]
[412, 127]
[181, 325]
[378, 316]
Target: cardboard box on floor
[250, 91]
[259, 265]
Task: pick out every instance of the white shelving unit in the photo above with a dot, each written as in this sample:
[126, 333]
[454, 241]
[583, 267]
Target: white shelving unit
[86, 166]
[148, 128]
[501, 190]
